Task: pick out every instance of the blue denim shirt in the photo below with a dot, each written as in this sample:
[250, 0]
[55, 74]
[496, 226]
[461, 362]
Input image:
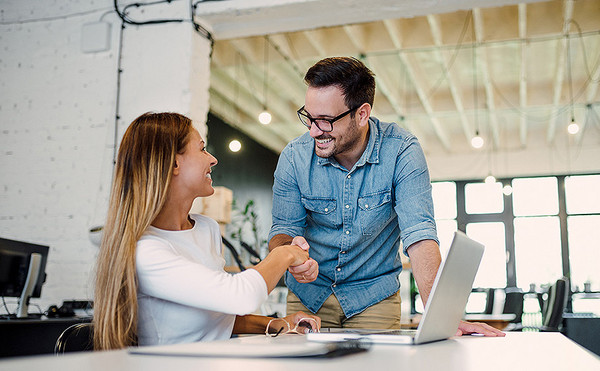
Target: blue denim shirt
[354, 219]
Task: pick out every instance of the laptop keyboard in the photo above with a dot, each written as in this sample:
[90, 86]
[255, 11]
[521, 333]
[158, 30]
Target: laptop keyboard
[397, 332]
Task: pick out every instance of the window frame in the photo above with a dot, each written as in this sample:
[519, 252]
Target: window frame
[507, 217]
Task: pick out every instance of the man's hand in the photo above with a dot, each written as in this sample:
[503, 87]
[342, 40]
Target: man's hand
[466, 328]
[307, 271]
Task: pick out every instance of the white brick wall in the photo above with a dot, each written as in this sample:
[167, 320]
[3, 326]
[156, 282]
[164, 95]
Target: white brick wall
[57, 117]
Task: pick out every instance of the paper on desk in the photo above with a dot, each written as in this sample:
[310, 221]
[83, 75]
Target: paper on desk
[254, 347]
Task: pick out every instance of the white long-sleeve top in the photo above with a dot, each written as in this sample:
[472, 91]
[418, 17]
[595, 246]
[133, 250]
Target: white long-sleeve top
[184, 295]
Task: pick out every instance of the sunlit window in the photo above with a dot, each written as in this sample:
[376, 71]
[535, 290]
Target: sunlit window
[444, 200]
[535, 196]
[492, 270]
[445, 230]
[537, 250]
[583, 194]
[584, 251]
[484, 198]
[476, 303]
[444, 203]
[538, 242]
[584, 304]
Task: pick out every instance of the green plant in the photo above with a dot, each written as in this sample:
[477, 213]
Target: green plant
[245, 229]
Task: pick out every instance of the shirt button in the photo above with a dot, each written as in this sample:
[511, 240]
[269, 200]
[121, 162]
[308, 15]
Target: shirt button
[338, 269]
[334, 285]
[343, 252]
[349, 176]
[347, 232]
[366, 207]
[347, 207]
[326, 209]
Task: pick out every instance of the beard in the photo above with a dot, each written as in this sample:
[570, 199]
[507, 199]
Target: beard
[344, 142]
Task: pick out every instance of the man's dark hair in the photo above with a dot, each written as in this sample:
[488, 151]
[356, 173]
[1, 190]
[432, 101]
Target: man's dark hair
[356, 81]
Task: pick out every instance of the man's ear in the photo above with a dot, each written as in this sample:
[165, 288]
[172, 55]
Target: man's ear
[363, 113]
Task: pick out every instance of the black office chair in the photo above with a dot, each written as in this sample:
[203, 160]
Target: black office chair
[554, 306]
[75, 338]
[489, 300]
[513, 304]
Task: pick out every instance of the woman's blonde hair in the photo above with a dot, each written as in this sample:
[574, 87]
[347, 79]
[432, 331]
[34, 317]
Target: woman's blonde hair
[142, 176]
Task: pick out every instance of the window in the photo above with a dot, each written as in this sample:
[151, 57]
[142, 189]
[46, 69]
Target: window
[444, 200]
[537, 250]
[535, 196]
[444, 203]
[492, 269]
[484, 198]
[445, 230]
[582, 194]
[528, 233]
[583, 231]
[584, 252]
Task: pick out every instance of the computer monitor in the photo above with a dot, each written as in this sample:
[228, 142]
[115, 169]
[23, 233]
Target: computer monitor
[22, 271]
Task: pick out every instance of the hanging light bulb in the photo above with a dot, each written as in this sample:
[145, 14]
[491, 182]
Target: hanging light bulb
[477, 141]
[490, 179]
[235, 145]
[573, 127]
[264, 117]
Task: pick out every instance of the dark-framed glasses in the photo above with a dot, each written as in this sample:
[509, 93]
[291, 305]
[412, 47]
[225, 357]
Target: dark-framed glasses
[323, 124]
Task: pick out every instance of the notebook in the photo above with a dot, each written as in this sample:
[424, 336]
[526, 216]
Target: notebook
[444, 309]
[283, 346]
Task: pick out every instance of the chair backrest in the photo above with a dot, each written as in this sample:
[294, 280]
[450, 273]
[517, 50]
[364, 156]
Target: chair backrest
[513, 303]
[555, 305]
[489, 300]
[75, 338]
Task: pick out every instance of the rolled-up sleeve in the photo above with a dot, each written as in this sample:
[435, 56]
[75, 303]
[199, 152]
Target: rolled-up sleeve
[289, 216]
[414, 203]
[165, 274]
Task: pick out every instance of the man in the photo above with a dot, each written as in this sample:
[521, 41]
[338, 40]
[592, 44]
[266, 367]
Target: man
[351, 189]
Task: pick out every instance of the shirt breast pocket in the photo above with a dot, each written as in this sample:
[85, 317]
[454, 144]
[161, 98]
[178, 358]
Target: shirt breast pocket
[374, 210]
[321, 211]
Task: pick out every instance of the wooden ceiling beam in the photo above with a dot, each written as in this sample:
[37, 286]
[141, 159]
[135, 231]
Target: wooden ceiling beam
[222, 106]
[416, 80]
[481, 55]
[590, 95]
[523, 74]
[357, 38]
[278, 101]
[444, 57]
[290, 74]
[242, 97]
[560, 71]
[316, 38]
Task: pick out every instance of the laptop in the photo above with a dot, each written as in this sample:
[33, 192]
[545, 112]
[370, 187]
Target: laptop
[444, 309]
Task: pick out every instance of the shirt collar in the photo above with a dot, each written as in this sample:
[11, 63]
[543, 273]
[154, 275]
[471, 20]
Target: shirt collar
[371, 153]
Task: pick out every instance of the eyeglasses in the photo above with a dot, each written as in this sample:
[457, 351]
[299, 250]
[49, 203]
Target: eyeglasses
[323, 124]
[303, 326]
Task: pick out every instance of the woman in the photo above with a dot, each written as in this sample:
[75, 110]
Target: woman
[160, 276]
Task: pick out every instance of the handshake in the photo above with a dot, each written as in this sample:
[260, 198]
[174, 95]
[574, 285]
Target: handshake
[303, 268]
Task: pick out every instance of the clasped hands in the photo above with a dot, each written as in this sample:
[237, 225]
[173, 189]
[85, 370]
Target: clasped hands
[307, 271]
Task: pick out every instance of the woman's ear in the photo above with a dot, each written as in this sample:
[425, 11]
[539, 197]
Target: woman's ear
[176, 167]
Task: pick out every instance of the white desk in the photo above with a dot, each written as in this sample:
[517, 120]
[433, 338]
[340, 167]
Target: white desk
[517, 351]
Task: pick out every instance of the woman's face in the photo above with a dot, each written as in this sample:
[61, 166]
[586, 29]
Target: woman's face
[194, 167]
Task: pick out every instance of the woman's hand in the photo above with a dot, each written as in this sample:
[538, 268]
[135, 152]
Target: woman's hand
[304, 323]
[297, 254]
[279, 260]
[307, 271]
